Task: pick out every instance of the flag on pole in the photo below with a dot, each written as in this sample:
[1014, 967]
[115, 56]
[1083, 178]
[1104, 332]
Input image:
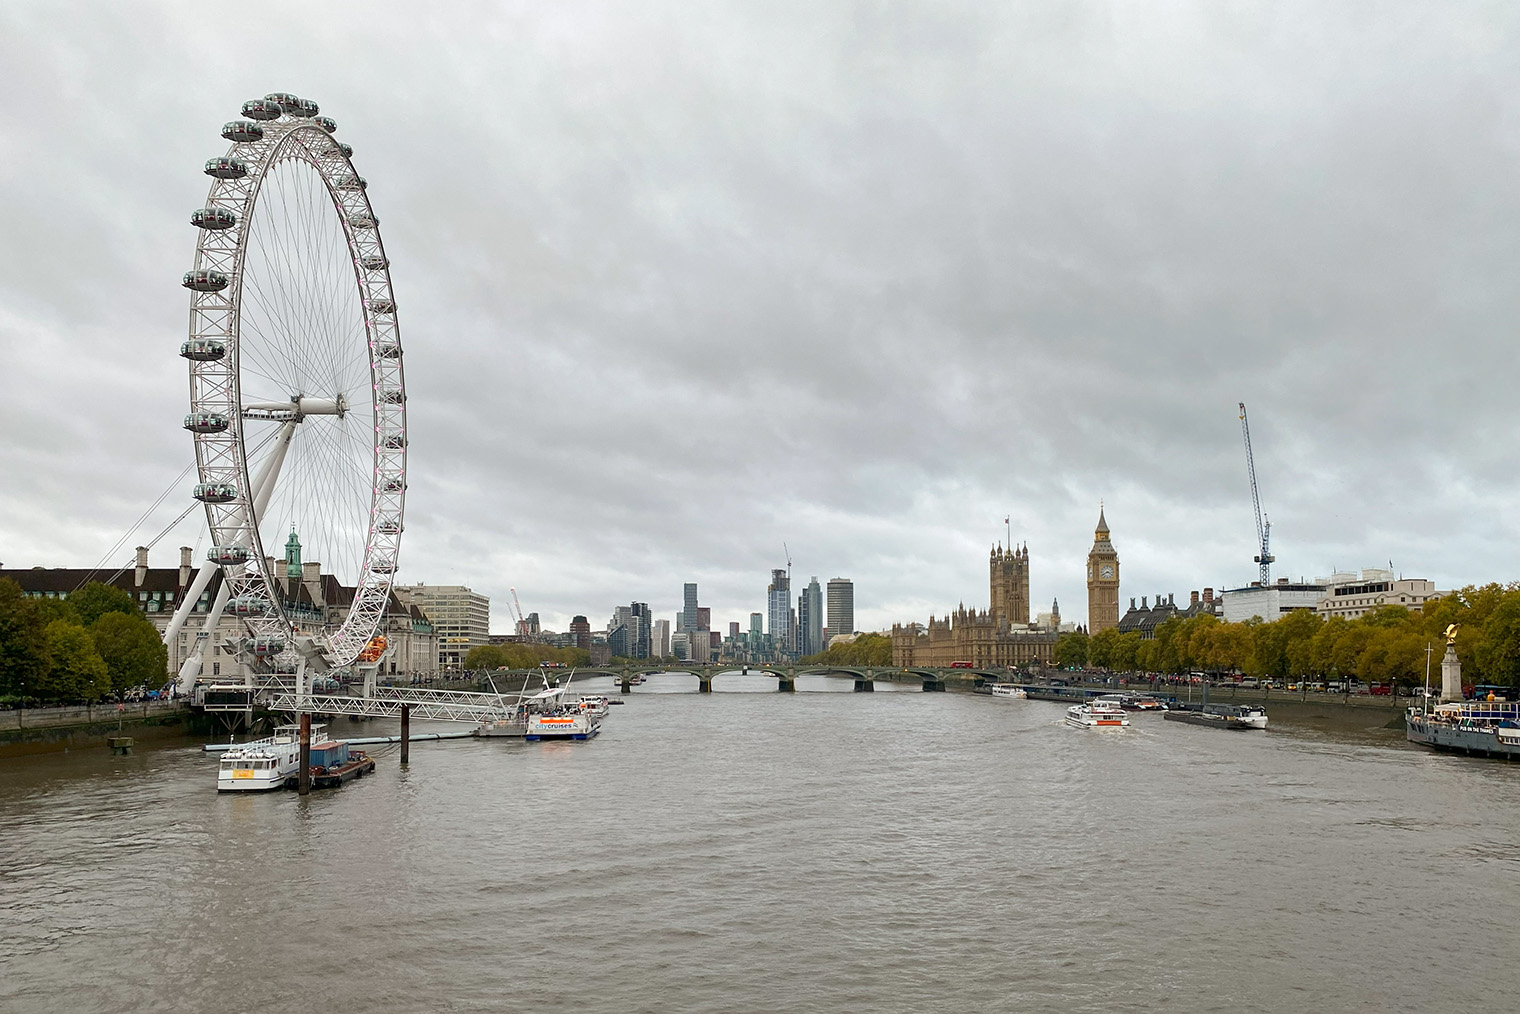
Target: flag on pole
[1007, 519]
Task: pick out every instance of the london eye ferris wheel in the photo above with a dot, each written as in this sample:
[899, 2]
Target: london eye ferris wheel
[297, 397]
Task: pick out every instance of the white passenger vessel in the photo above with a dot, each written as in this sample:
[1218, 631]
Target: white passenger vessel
[1009, 690]
[1098, 714]
[548, 714]
[265, 764]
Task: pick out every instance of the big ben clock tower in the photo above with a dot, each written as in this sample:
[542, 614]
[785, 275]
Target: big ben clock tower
[1102, 581]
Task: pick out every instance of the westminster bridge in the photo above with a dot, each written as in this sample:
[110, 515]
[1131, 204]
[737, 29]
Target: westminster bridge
[933, 679]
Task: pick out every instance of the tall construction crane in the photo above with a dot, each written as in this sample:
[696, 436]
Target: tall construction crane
[1263, 526]
[517, 614]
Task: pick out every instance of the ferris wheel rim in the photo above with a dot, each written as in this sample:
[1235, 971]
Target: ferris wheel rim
[217, 381]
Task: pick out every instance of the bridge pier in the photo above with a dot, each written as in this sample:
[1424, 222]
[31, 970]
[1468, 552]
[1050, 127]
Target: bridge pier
[933, 685]
[704, 683]
[864, 685]
[625, 683]
[786, 684]
[406, 734]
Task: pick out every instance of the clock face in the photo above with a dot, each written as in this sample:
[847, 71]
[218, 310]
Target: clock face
[1107, 572]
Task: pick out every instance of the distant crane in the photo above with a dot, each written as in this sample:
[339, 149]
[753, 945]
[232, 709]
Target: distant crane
[517, 614]
[1263, 526]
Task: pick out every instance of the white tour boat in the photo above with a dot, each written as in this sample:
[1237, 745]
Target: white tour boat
[265, 764]
[548, 714]
[1009, 690]
[1098, 714]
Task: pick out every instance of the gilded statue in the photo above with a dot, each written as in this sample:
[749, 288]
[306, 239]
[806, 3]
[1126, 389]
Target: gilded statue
[1451, 634]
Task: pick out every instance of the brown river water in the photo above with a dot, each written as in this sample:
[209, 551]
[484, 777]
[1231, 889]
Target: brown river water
[755, 851]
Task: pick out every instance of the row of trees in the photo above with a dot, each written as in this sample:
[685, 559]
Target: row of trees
[867, 649]
[86, 647]
[1385, 645]
[523, 656]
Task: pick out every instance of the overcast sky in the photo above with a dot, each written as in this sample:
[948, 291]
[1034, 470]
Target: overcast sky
[681, 282]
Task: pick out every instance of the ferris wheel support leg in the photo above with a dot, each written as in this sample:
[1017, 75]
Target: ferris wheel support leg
[194, 663]
[269, 473]
[192, 596]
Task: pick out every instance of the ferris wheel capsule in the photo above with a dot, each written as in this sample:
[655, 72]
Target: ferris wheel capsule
[264, 647]
[374, 262]
[384, 565]
[202, 350]
[242, 131]
[327, 123]
[394, 484]
[206, 422]
[205, 280]
[215, 492]
[261, 109]
[303, 108]
[389, 526]
[346, 149]
[226, 167]
[213, 218]
[284, 100]
[248, 605]
[352, 183]
[393, 397]
[382, 306]
[363, 220]
[388, 350]
[228, 556]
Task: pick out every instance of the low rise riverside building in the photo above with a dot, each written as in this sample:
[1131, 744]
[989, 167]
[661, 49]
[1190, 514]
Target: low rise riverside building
[1353, 595]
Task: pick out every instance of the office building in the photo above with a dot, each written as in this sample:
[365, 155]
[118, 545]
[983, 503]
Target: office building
[580, 632]
[688, 614]
[778, 603]
[810, 619]
[461, 618]
[1352, 595]
[841, 606]
[659, 643]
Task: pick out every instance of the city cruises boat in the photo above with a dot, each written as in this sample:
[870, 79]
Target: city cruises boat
[1009, 690]
[1096, 714]
[265, 764]
[1485, 728]
[1248, 716]
[548, 714]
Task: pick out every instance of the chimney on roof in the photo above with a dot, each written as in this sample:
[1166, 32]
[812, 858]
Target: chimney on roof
[1192, 599]
[142, 565]
[1170, 599]
[1132, 602]
[1142, 603]
[185, 558]
[311, 577]
[1208, 595]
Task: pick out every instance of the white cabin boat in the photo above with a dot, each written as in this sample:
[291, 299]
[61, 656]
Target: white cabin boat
[1011, 691]
[1097, 714]
[548, 714]
[265, 764]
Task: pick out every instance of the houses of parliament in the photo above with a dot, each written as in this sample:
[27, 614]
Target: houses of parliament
[1002, 635]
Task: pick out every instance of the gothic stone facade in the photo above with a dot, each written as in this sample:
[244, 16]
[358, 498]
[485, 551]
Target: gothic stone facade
[991, 638]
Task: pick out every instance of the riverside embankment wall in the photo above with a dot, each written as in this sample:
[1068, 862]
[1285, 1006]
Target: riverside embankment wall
[53, 730]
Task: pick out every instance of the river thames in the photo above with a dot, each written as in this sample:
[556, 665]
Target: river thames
[754, 851]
